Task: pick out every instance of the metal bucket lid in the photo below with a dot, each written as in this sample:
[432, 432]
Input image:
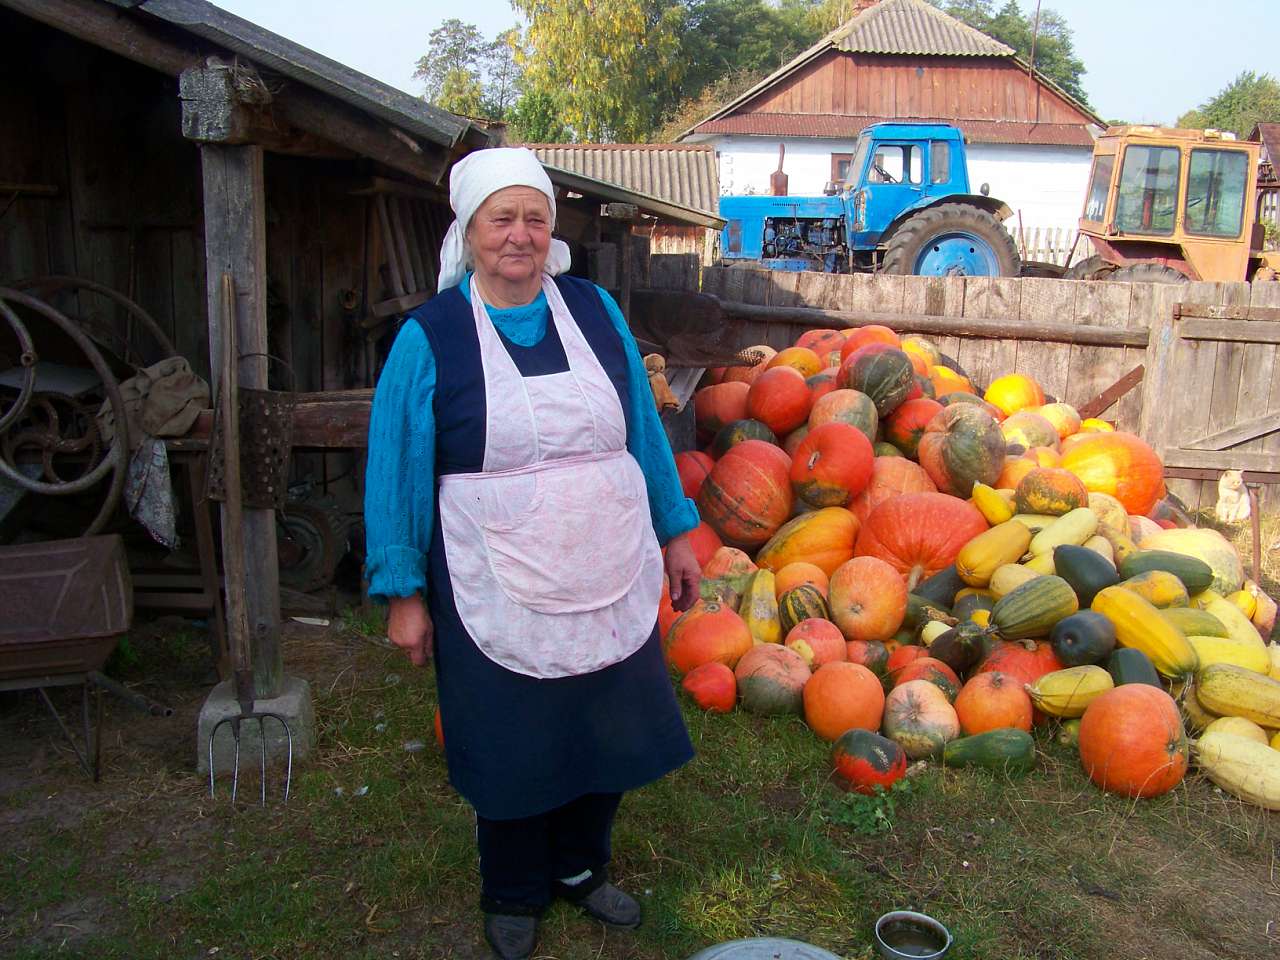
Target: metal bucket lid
[764, 948]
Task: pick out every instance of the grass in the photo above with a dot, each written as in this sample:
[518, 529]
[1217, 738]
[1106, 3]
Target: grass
[749, 839]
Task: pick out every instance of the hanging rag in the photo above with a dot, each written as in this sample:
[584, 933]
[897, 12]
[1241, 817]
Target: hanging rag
[162, 400]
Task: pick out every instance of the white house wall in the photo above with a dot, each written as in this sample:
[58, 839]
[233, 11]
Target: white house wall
[1046, 183]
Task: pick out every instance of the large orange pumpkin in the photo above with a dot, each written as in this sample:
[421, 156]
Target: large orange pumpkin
[922, 347]
[825, 343]
[858, 337]
[771, 680]
[842, 696]
[712, 686]
[872, 654]
[693, 466]
[1120, 464]
[1012, 472]
[1052, 491]
[1064, 417]
[667, 614]
[705, 542]
[1132, 741]
[931, 669]
[747, 373]
[891, 477]
[919, 533]
[919, 719]
[991, 701]
[797, 573]
[818, 641]
[779, 399]
[906, 425]
[946, 381]
[820, 384]
[1014, 392]
[900, 657]
[801, 359]
[747, 496]
[832, 465]
[846, 406]
[961, 446]
[1014, 660]
[867, 598]
[714, 407]
[728, 562]
[824, 538]
[706, 632]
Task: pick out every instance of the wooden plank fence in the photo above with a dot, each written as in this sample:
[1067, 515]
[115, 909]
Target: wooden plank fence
[1219, 387]
[1046, 244]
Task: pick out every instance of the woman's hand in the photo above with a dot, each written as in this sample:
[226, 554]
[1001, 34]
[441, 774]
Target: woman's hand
[683, 573]
[409, 627]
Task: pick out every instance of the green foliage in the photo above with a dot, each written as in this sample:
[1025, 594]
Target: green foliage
[1249, 99]
[535, 118]
[455, 49]
[468, 75]
[870, 815]
[608, 65]
[1055, 55]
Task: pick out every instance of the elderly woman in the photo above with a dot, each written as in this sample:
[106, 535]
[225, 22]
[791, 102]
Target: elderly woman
[519, 484]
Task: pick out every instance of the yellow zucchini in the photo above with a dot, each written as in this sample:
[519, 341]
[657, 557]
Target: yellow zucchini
[1231, 691]
[1238, 726]
[1035, 522]
[1242, 767]
[1246, 601]
[1101, 546]
[1043, 565]
[932, 630]
[1250, 654]
[1139, 625]
[994, 507]
[1074, 527]
[1065, 693]
[1237, 624]
[1161, 588]
[1009, 576]
[979, 558]
[759, 608]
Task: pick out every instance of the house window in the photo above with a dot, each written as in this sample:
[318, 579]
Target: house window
[1269, 206]
[896, 163]
[840, 164]
[939, 162]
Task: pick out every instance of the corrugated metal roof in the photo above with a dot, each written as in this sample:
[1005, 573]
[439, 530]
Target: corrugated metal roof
[847, 127]
[913, 26]
[684, 174]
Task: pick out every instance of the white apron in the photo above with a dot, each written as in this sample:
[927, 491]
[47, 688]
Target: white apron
[553, 561]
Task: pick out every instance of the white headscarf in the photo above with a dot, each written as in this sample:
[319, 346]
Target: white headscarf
[472, 181]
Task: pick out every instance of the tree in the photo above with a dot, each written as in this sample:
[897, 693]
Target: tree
[1055, 55]
[1250, 98]
[609, 65]
[535, 118]
[501, 74]
[455, 49]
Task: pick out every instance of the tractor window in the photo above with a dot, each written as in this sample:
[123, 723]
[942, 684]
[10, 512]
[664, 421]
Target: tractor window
[896, 163]
[1095, 207]
[939, 162]
[1147, 199]
[1216, 182]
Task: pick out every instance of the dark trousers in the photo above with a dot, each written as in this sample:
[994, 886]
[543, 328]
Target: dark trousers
[522, 860]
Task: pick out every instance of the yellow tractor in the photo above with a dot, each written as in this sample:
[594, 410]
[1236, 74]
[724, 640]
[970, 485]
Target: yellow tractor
[1168, 206]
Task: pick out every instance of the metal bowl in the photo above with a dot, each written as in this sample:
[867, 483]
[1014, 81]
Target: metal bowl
[764, 948]
[907, 935]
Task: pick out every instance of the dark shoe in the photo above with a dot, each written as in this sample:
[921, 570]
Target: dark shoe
[512, 937]
[611, 906]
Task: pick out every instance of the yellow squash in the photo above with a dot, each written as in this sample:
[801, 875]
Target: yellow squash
[1231, 691]
[1035, 522]
[1273, 651]
[932, 630]
[1065, 693]
[759, 608]
[1246, 601]
[1237, 624]
[1074, 528]
[1250, 654]
[1009, 576]
[1101, 546]
[994, 507]
[1042, 565]
[1197, 717]
[979, 558]
[1160, 587]
[1242, 767]
[1239, 726]
[1139, 625]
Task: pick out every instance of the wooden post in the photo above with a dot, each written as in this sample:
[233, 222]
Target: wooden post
[236, 243]
[624, 214]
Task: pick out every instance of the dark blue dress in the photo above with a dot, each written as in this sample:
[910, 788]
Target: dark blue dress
[516, 745]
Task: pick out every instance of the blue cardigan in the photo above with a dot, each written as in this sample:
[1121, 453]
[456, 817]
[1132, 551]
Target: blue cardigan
[401, 461]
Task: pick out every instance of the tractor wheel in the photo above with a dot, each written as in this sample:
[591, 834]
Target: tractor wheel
[951, 240]
[1147, 273]
[1090, 268]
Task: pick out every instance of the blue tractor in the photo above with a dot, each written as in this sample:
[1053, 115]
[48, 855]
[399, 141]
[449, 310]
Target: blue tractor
[905, 206]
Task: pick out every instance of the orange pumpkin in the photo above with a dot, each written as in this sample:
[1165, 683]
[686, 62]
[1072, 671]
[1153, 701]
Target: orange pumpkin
[712, 686]
[858, 337]
[1014, 392]
[832, 465]
[1094, 425]
[1120, 464]
[842, 696]
[798, 573]
[868, 599]
[667, 614]
[747, 496]
[820, 384]
[919, 719]
[705, 542]
[945, 381]
[1044, 456]
[1063, 416]
[747, 373]
[714, 407]
[801, 359]
[846, 406]
[796, 437]
[779, 399]
[872, 654]
[1050, 491]
[924, 348]
[824, 538]
[891, 477]
[932, 670]
[824, 343]
[1014, 469]
[1132, 741]
[905, 426]
[991, 701]
[708, 631]
[771, 680]
[960, 446]
[693, 466]
[919, 533]
[728, 562]
[1026, 429]
[818, 641]
[1014, 660]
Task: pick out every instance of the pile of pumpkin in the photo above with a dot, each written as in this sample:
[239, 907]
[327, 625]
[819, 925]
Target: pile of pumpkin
[920, 570]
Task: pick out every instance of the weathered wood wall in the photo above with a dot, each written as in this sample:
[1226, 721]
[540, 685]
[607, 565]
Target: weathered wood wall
[1217, 383]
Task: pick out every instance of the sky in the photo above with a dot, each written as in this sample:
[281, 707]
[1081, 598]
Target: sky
[1148, 60]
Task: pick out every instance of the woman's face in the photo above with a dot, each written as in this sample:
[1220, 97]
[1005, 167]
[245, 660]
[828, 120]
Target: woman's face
[510, 235]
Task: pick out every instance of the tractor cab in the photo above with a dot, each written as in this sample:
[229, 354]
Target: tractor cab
[1171, 205]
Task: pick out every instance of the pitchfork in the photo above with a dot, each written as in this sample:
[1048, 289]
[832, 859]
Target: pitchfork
[234, 565]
